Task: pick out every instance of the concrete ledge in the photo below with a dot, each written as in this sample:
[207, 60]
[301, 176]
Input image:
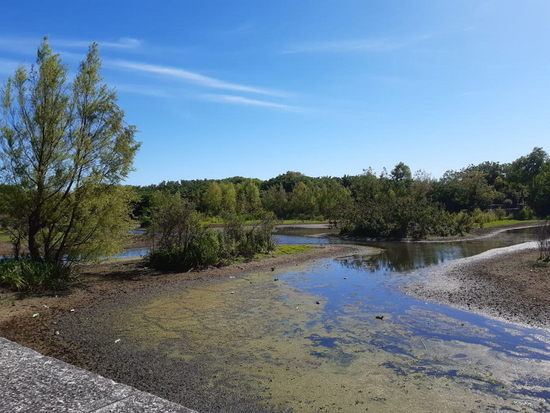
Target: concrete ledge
[31, 382]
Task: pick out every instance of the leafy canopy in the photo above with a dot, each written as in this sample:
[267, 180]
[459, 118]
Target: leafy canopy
[64, 148]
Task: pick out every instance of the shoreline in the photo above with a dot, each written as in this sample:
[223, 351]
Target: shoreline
[104, 281]
[138, 241]
[502, 283]
[478, 233]
[55, 331]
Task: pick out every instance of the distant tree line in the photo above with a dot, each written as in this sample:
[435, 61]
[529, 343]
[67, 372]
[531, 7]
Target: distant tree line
[392, 204]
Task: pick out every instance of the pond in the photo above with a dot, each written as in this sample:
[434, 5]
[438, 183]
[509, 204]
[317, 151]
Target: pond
[339, 335]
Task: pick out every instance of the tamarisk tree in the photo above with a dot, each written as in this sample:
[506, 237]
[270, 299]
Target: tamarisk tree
[64, 150]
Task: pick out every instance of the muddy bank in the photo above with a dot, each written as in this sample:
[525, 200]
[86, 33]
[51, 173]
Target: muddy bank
[58, 329]
[97, 283]
[506, 283]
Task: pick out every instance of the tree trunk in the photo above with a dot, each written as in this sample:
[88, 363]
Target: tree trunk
[34, 247]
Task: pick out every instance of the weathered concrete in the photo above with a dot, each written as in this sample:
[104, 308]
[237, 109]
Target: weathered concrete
[31, 382]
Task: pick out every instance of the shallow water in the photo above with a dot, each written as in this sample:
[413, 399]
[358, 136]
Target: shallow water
[309, 339]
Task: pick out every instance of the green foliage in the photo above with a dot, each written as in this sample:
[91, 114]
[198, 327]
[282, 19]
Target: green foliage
[292, 249]
[286, 250]
[246, 241]
[212, 199]
[480, 218]
[201, 251]
[540, 193]
[181, 243]
[544, 242]
[503, 222]
[467, 189]
[174, 221]
[64, 148]
[526, 214]
[275, 199]
[31, 276]
[463, 223]
[393, 204]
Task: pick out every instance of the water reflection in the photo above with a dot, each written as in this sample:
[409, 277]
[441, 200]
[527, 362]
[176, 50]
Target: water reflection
[407, 256]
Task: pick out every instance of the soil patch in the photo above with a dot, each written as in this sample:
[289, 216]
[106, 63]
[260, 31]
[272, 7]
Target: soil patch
[110, 280]
[508, 283]
[46, 323]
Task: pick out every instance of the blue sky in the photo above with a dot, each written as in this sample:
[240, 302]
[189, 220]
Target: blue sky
[256, 88]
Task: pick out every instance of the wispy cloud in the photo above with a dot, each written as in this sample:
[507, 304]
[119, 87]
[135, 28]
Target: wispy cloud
[143, 90]
[243, 28]
[355, 45]
[241, 100]
[122, 43]
[28, 45]
[8, 67]
[188, 76]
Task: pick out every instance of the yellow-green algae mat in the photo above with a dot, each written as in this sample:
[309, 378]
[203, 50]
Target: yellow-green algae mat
[258, 331]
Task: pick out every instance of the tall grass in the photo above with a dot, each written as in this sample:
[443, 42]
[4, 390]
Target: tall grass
[31, 276]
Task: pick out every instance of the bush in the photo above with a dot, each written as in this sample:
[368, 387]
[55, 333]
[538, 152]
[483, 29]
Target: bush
[181, 244]
[201, 251]
[401, 217]
[32, 276]
[463, 223]
[500, 213]
[526, 213]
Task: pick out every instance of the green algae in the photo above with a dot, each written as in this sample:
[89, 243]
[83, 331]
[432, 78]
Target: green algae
[260, 333]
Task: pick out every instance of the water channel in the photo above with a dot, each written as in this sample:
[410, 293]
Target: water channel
[339, 335]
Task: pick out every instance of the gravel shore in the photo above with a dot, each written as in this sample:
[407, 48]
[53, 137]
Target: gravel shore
[507, 283]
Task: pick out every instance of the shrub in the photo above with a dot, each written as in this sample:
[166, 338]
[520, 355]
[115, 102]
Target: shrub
[463, 223]
[201, 251]
[480, 218]
[500, 213]
[526, 213]
[182, 244]
[33, 276]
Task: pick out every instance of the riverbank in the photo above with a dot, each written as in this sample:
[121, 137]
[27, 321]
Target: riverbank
[506, 283]
[31, 320]
[475, 234]
[57, 329]
[485, 232]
